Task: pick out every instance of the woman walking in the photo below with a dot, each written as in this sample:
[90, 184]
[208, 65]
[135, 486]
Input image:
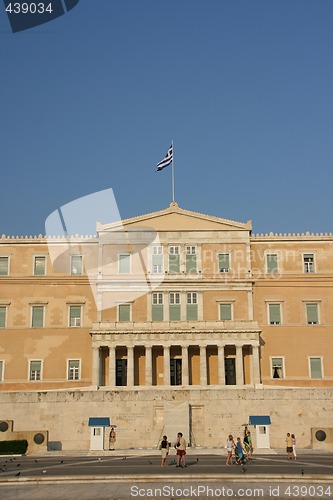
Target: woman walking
[230, 446]
[164, 447]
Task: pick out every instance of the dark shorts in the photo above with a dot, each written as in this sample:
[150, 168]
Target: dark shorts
[181, 452]
[289, 449]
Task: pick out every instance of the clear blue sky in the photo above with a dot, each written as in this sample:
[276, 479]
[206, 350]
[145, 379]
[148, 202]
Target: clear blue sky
[244, 88]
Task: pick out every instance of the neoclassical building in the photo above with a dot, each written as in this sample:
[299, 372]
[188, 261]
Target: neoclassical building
[173, 305]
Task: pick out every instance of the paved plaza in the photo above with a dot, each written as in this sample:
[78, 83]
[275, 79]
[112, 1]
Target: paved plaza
[127, 475]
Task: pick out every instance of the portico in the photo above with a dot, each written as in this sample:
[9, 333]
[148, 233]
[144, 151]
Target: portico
[187, 354]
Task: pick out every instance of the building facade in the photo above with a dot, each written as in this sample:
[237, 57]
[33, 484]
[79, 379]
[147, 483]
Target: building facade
[173, 304]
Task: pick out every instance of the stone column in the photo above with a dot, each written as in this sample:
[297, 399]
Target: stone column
[149, 366]
[112, 366]
[185, 379]
[95, 366]
[166, 358]
[221, 365]
[255, 365]
[239, 365]
[130, 366]
[203, 365]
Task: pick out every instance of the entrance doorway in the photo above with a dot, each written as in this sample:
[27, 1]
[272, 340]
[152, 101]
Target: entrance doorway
[121, 372]
[230, 371]
[175, 371]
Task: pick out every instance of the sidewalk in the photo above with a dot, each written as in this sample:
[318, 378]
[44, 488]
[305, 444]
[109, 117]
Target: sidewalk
[190, 451]
[147, 451]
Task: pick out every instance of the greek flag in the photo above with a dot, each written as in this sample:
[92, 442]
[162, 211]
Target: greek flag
[166, 161]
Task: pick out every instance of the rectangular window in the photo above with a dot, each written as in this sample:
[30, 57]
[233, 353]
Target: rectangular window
[4, 266]
[3, 316]
[157, 306]
[191, 259]
[35, 370]
[274, 314]
[157, 259]
[73, 369]
[224, 262]
[124, 312]
[192, 306]
[75, 316]
[76, 264]
[225, 312]
[39, 265]
[277, 368]
[312, 314]
[37, 317]
[308, 263]
[124, 264]
[272, 263]
[174, 260]
[316, 368]
[174, 302]
[2, 366]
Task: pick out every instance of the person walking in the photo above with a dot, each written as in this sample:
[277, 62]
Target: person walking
[289, 444]
[239, 452]
[230, 446]
[248, 444]
[181, 450]
[164, 447]
[249, 440]
[293, 437]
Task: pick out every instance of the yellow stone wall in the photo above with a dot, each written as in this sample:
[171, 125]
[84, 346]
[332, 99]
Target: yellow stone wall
[247, 283]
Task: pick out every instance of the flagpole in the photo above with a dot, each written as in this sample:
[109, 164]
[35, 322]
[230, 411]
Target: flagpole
[173, 175]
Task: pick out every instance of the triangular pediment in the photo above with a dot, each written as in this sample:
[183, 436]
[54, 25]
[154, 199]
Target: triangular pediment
[175, 218]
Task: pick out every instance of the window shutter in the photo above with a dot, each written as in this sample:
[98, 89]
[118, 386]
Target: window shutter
[191, 263]
[312, 313]
[174, 312]
[124, 264]
[35, 366]
[39, 268]
[272, 264]
[157, 260]
[2, 317]
[174, 266]
[274, 314]
[315, 365]
[191, 312]
[37, 316]
[224, 262]
[225, 312]
[157, 312]
[124, 312]
[3, 266]
[77, 264]
[75, 315]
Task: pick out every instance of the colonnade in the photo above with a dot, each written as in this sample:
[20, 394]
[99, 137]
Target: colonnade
[185, 370]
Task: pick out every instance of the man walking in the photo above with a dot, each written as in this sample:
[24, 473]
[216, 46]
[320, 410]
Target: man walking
[289, 444]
